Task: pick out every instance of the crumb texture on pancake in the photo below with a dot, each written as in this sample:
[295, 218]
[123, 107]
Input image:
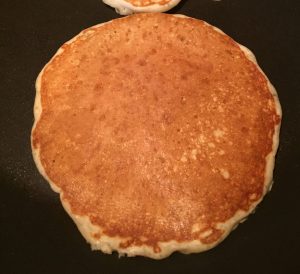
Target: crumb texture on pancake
[125, 7]
[143, 3]
[158, 131]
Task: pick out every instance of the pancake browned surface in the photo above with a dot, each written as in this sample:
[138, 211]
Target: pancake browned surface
[158, 131]
[126, 7]
[144, 3]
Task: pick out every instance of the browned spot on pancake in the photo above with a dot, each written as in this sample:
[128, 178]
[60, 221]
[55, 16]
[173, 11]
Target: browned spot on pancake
[212, 236]
[149, 140]
[145, 3]
[97, 236]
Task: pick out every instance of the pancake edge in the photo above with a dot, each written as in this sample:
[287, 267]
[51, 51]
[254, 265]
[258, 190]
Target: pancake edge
[108, 244]
[125, 8]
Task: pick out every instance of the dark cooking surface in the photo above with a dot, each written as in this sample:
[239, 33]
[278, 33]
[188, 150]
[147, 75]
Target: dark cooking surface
[37, 236]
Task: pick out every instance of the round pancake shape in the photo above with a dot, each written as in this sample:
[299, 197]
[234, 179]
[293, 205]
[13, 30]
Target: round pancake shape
[126, 7]
[158, 131]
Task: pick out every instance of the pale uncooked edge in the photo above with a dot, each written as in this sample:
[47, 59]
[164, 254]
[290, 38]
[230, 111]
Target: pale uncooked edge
[125, 8]
[109, 244]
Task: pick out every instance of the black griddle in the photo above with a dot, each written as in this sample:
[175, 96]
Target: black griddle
[37, 236]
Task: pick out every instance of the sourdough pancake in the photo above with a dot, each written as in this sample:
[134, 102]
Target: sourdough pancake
[125, 7]
[158, 131]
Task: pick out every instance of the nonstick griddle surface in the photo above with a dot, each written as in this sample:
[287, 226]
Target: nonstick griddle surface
[37, 235]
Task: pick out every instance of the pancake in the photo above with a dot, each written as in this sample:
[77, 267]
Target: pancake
[126, 7]
[159, 132]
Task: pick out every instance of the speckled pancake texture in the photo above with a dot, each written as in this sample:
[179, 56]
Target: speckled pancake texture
[126, 7]
[143, 3]
[158, 131]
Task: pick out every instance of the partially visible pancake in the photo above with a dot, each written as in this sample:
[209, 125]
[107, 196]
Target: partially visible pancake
[158, 131]
[125, 7]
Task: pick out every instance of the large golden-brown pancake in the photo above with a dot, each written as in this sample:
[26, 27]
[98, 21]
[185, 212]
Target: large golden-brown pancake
[126, 7]
[158, 131]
